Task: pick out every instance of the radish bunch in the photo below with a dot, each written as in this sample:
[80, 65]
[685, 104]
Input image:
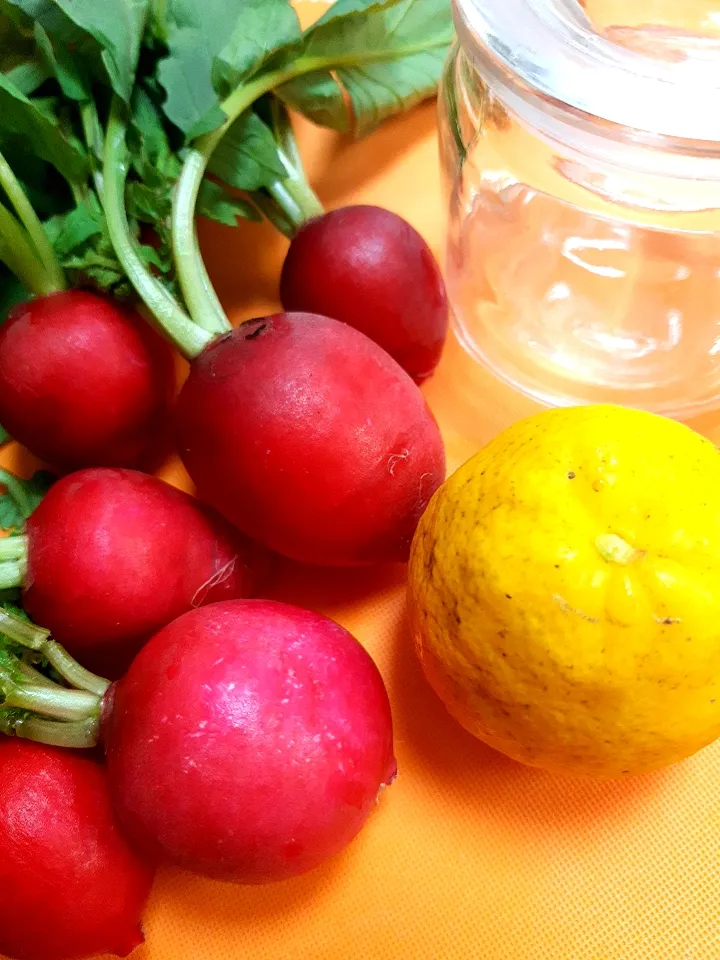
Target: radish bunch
[244, 739]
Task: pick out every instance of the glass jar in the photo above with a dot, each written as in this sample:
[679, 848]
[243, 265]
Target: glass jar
[581, 151]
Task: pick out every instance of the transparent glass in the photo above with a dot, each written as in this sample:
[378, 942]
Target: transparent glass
[581, 153]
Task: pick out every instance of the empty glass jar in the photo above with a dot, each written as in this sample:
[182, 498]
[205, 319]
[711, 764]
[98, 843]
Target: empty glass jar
[581, 150]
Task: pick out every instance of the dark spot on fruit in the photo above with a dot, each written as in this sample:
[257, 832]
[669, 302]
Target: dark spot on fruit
[508, 596]
[571, 475]
[256, 332]
[502, 634]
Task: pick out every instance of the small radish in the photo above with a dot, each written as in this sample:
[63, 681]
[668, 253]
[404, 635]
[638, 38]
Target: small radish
[308, 436]
[369, 268]
[248, 741]
[72, 887]
[83, 380]
[112, 555]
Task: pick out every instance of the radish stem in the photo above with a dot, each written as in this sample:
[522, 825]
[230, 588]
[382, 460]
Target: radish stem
[58, 703]
[169, 316]
[190, 267]
[12, 574]
[19, 255]
[28, 635]
[294, 195]
[34, 706]
[94, 140]
[33, 227]
[13, 548]
[82, 734]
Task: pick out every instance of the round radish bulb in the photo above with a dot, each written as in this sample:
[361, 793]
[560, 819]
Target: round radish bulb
[72, 887]
[113, 555]
[369, 268]
[249, 741]
[308, 436]
[83, 380]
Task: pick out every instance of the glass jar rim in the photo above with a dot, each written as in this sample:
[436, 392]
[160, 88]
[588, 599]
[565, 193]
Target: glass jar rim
[549, 50]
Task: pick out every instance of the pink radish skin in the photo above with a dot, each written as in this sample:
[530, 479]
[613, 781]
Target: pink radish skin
[310, 438]
[369, 268]
[72, 887]
[114, 555]
[83, 380]
[248, 741]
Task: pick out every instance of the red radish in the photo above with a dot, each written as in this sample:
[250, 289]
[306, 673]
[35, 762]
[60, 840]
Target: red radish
[308, 436]
[83, 380]
[72, 887]
[369, 268]
[248, 741]
[113, 555]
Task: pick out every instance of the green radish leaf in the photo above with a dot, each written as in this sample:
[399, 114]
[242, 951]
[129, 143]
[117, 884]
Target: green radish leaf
[34, 122]
[214, 118]
[28, 75]
[10, 516]
[387, 55]
[70, 231]
[16, 45]
[21, 497]
[115, 28]
[215, 203]
[247, 156]
[4, 435]
[84, 250]
[69, 70]
[195, 33]
[69, 52]
[320, 98]
[266, 30]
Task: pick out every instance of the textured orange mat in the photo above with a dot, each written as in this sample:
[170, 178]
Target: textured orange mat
[469, 856]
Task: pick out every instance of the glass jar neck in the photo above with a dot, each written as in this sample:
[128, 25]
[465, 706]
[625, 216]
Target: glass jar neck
[573, 84]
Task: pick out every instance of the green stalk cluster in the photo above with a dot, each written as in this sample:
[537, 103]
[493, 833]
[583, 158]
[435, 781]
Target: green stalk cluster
[62, 712]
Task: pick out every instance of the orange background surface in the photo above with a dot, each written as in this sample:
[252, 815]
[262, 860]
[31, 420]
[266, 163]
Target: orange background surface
[469, 856]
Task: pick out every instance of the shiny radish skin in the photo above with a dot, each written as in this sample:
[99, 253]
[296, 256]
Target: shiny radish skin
[113, 555]
[371, 269]
[83, 380]
[72, 887]
[248, 742]
[308, 436]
